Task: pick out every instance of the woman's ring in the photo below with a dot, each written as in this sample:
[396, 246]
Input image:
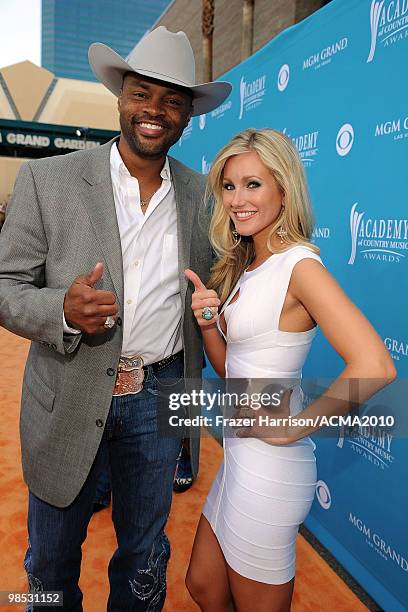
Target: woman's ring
[207, 313]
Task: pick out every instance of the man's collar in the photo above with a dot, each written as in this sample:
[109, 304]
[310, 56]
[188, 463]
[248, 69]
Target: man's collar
[118, 165]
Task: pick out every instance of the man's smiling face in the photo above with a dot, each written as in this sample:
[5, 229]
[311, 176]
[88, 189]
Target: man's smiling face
[152, 114]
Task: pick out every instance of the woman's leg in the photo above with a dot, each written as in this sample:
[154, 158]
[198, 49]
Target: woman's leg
[207, 577]
[268, 597]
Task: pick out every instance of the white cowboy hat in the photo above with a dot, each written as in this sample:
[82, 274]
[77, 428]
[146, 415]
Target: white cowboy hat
[161, 55]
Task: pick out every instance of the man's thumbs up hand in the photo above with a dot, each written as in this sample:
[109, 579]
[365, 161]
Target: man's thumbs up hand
[85, 307]
[92, 278]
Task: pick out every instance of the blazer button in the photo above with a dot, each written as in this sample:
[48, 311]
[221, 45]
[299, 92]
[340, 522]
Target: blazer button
[110, 372]
[99, 423]
[119, 321]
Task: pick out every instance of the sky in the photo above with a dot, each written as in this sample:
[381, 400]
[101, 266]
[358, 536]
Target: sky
[20, 27]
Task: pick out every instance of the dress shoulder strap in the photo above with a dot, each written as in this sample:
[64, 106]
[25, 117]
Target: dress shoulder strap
[284, 269]
[231, 295]
[226, 303]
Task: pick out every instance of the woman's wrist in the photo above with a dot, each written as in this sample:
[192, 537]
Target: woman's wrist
[207, 328]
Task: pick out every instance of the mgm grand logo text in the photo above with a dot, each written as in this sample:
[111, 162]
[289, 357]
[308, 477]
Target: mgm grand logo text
[379, 543]
[388, 22]
[397, 348]
[397, 129]
[324, 56]
[384, 240]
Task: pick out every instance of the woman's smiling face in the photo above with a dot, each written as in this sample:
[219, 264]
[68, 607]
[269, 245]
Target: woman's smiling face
[251, 195]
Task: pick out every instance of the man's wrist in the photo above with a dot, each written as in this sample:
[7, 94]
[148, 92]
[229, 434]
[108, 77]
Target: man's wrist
[68, 329]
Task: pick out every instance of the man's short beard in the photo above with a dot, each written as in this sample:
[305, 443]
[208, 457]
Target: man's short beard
[138, 148]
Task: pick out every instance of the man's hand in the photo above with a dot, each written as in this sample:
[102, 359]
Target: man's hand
[85, 307]
[201, 298]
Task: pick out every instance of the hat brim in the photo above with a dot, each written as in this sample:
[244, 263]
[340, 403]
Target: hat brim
[109, 68]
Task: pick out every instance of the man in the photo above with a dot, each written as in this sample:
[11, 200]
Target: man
[92, 260]
[3, 206]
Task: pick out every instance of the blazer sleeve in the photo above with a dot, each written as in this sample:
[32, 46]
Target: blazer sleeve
[27, 307]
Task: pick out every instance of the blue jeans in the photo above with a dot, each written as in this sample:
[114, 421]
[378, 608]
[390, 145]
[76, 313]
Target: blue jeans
[103, 488]
[141, 463]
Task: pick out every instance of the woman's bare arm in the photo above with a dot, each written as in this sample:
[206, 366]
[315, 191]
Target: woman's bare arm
[368, 365]
[213, 342]
[215, 347]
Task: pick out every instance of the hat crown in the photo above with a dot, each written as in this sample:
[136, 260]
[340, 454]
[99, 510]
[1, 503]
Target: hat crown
[161, 55]
[165, 53]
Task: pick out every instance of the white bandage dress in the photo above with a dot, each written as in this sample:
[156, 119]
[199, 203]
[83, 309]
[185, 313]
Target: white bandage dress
[262, 492]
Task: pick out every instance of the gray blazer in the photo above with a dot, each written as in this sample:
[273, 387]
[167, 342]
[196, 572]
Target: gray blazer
[61, 220]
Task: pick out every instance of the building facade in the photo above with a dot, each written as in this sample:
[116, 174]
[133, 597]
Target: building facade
[59, 116]
[63, 114]
[270, 18]
[70, 26]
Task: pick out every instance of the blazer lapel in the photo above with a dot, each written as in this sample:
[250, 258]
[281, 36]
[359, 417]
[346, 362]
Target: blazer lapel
[97, 195]
[185, 215]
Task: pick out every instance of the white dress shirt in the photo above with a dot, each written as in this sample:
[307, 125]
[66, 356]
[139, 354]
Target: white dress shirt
[152, 302]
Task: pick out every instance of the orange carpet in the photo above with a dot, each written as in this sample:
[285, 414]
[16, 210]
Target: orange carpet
[317, 588]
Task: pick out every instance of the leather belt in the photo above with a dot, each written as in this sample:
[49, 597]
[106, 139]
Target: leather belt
[131, 372]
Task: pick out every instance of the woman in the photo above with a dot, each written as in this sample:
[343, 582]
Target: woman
[275, 291]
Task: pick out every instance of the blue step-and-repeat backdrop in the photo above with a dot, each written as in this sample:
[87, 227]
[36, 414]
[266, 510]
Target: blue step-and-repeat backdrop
[337, 85]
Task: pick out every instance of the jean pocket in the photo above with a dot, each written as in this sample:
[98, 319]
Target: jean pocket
[169, 382]
[171, 376]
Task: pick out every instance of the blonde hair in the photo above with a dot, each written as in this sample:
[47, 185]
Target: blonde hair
[280, 156]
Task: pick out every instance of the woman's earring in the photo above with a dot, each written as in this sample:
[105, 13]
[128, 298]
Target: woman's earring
[236, 237]
[282, 233]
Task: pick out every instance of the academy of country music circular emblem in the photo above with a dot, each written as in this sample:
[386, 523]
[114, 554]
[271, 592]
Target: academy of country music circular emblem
[345, 139]
[323, 494]
[283, 77]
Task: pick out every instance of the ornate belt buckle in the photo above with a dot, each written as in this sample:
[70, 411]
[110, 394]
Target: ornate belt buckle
[130, 375]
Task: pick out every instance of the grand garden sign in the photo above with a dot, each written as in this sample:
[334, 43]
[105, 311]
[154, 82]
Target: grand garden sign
[34, 140]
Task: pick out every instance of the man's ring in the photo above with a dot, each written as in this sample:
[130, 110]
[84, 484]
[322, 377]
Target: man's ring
[207, 313]
[109, 322]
